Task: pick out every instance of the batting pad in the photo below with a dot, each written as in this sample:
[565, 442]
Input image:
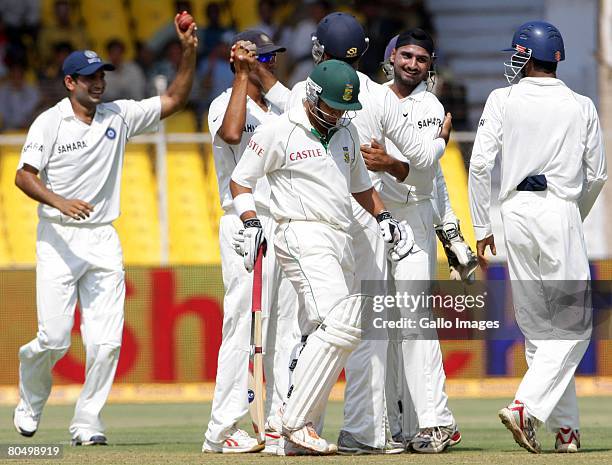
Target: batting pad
[322, 360]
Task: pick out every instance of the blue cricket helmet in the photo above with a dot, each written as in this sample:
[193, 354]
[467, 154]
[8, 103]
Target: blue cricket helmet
[542, 38]
[340, 36]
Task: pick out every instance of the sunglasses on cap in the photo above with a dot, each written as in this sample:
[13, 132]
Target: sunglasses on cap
[266, 57]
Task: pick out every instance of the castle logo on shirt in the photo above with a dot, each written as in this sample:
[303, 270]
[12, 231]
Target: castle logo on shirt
[305, 153]
[71, 146]
[111, 133]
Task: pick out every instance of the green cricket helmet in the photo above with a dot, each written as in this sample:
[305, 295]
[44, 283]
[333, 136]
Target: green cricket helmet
[336, 83]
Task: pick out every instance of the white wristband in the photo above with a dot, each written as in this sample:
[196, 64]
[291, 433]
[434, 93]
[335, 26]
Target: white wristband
[244, 203]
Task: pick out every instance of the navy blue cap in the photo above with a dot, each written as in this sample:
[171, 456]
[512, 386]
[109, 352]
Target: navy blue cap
[341, 36]
[261, 40]
[85, 63]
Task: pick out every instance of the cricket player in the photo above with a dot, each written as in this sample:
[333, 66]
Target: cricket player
[421, 199]
[340, 36]
[78, 147]
[553, 167]
[312, 160]
[232, 119]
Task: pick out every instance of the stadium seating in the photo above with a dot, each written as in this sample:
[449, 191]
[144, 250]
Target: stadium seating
[106, 20]
[149, 16]
[138, 225]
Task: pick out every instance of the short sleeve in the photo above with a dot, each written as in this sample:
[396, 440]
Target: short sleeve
[40, 139]
[216, 112]
[141, 116]
[360, 179]
[262, 155]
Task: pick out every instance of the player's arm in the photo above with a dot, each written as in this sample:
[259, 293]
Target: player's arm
[28, 181]
[177, 93]
[594, 164]
[442, 198]
[420, 151]
[487, 145]
[234, 119]
[377, 159]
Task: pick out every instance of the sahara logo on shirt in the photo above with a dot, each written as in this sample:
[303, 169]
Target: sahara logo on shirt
[33, 147]
[424, 123]
[71, 146]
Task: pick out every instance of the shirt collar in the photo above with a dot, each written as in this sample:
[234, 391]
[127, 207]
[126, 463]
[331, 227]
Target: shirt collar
[417, 94]
[542, 81]
[297, 114]
[66, 110]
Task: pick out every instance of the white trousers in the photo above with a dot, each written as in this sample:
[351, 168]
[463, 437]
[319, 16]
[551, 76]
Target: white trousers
[364, 397]
[415, 371]
[83, 263]
[280, 331]
[545, 242]
[318, 261]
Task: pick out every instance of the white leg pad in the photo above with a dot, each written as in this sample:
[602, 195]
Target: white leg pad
[322, 360]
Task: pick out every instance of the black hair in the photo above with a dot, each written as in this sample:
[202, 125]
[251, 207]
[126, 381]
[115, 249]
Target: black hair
[545, 66]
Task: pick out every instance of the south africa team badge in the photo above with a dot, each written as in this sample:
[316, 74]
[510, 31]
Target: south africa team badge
[347, 156]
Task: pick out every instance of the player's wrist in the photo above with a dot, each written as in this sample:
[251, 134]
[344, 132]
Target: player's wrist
[399, 170]
[383, 215]
[253, 222]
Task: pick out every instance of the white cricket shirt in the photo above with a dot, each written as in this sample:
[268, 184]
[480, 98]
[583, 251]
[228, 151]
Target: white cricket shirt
[309, 180]
[380, 118]
[81, 161]
[424, 112]
[227, 155]
[539, 126]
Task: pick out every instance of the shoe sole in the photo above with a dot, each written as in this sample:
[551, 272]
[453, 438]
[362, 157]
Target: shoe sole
[567, 449]
[88, 443]
[507, 419]
[310, 448]
[257, 448]
[23, 432]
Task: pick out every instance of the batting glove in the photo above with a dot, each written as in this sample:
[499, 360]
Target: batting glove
[462, 261]
[253, 239]
[238, 242]
[396, 233]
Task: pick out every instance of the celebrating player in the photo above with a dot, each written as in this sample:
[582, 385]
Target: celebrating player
[340, 36]
[421, 199]
[553, 167]
[232, 118]
[312, 160]
[78, 148]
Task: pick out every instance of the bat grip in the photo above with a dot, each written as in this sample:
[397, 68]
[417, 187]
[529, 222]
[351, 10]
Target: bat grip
[257, 279]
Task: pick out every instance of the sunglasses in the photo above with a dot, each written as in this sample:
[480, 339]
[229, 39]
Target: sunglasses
[266, 57]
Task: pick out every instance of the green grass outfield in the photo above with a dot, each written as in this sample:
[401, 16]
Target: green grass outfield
[172, 434]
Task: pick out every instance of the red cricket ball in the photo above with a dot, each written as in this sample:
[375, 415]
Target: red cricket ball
[185, 20]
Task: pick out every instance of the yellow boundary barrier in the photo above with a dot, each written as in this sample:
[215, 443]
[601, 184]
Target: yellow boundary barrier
[203, 392]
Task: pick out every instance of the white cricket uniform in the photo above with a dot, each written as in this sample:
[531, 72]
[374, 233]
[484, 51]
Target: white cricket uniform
[415, 374]
[280, 331]
[539, 126]
[311, 184]
[380, 119]
[80, 259]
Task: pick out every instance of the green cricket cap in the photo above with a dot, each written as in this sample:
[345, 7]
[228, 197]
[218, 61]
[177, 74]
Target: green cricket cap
[338, 84]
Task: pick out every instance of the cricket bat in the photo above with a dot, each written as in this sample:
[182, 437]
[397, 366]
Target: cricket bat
[256, 384]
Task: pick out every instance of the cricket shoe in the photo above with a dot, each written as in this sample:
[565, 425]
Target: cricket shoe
[238, 442]
[436, 439]
[97, 439]
[521, 425]
[273, 442]
[308, 438]
[348, 445]
[25, 421]
[288, 449]
[568, 440]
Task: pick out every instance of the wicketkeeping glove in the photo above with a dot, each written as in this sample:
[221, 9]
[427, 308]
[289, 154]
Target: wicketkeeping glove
[461, 259]
[253, 237]
[396, 233]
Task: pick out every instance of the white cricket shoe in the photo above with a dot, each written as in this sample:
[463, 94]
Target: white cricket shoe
[25, 421]
[273, 442]
[567, 440]
[237, 442]
[308, 438]
[521, 425]
[436, 439]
